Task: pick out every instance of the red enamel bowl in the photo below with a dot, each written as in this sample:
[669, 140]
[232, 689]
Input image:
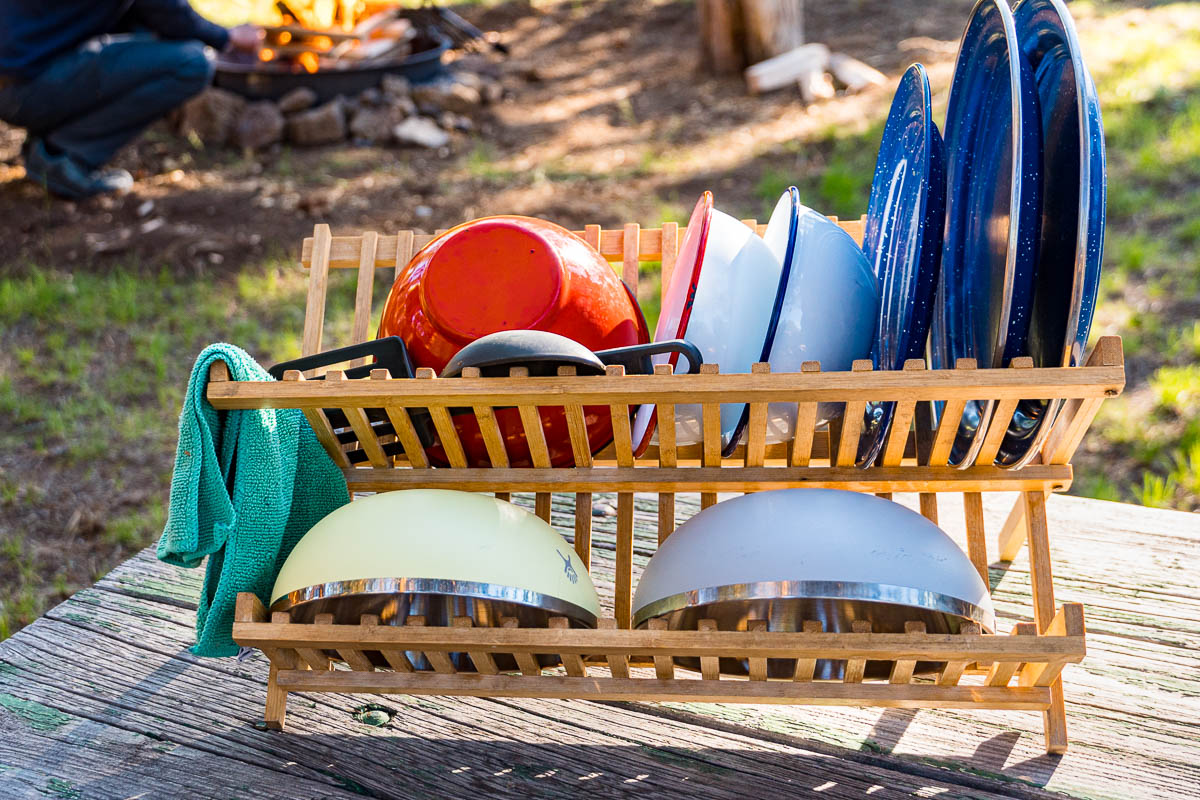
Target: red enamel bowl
[511, 273]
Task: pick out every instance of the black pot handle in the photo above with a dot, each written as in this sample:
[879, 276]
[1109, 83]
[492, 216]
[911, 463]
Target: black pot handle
[389, 352]
[636, 357]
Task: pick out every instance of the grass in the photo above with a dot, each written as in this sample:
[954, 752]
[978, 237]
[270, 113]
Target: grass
[92, 378]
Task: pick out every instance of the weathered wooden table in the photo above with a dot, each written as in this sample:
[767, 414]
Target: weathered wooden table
[100, 698]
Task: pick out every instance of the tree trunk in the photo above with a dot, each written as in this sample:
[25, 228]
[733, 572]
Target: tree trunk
[772, 27]
[737, 33]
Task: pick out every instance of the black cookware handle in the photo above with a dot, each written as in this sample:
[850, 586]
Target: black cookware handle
[636, 358]
[389, 352]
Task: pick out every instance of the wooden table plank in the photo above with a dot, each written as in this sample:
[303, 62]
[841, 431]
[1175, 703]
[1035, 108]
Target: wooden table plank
[437, 746]
[1131, 705]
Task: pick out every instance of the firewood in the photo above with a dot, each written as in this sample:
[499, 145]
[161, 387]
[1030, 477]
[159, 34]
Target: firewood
[854, 74]
[815, 84]
[777, 72]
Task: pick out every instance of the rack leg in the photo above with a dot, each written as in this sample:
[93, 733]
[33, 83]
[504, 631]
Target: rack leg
[275, 714]
[1054, 719]
[976, 541]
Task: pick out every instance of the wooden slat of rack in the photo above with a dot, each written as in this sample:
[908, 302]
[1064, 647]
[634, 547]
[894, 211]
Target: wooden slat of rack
[345, 250]
[1001, 672]
[443, 424]
[902, 668]
[949, 420]
[710, 667]
[484, 663]
[623, 443]
[489, 429]
[710, 430]
[670, 252]
[361, 427]
[902, 419]
[363, 291]
[618, 663]
[852, 420]
[581, 451]
[318, 285]
[406, 432]
[756, 425]
[666, 458]
[806, 423]
[404, 251]
[1066, 644]
[535, 438]
[630, 253]
[715, 479]
[703, 388]
[678, 690]
[317, 421]
[1001, 418]
[805, 667]
[976, 538]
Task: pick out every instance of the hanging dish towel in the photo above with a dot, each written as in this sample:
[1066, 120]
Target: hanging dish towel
[247, 485]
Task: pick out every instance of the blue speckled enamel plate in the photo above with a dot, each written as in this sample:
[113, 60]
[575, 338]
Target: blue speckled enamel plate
[780, 235]
[1073, 195]
[903, 239]
[993, 208]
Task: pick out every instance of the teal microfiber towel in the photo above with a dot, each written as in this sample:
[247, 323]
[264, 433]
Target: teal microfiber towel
[247, 485]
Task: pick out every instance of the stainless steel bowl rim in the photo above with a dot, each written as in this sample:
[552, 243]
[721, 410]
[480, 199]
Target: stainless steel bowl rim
[435, 586]
[920, 599]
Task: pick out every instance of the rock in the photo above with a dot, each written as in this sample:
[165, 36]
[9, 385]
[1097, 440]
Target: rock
[297, 99]
[370, 97]
[493, 92]
[373, 125]
[421, 132]
[455, 122]
[395, 86]
[211, 116]
[448, 95]
[469, 79]
[402, 106]
[260, 125]
[321, 125]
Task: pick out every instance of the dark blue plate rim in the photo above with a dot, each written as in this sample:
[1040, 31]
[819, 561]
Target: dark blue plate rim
[776, 310]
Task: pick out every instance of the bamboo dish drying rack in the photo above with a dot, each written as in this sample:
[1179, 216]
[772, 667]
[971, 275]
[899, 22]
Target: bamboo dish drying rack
[1018, 671]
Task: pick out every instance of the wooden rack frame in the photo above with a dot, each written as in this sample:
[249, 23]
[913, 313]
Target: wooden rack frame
[1016, 672]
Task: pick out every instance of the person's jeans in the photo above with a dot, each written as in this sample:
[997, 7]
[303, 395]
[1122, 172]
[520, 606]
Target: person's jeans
[91, 101]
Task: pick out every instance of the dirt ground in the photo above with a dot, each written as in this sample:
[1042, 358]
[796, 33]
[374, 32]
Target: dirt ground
[605, 99]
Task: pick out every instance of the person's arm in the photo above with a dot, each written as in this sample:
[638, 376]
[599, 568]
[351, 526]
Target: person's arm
[175, 19]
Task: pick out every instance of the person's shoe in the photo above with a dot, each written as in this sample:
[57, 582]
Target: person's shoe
[66, 177]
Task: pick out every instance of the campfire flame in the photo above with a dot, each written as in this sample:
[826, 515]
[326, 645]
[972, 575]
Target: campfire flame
[311, 34]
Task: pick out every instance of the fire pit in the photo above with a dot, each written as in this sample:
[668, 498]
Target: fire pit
[323, 49]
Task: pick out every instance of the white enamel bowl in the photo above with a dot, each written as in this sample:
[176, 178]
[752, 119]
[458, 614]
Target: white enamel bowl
[830, 307]
[728, 316]
[822, 554]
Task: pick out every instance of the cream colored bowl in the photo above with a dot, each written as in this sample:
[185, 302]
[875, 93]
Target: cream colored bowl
[439, 554]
